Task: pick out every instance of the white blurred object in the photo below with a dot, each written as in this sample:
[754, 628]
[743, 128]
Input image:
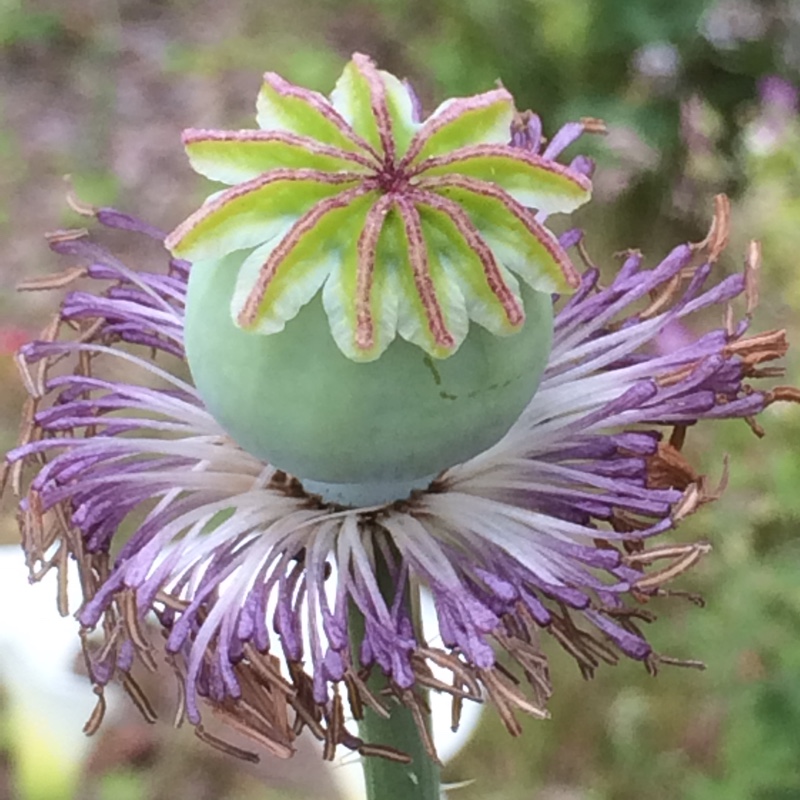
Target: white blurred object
[657, 61]
[48, 703]
[31, 630]
[348, 773]
[729, 23]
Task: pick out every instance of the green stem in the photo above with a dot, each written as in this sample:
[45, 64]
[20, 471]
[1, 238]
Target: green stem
[390, 780]
[385, 779]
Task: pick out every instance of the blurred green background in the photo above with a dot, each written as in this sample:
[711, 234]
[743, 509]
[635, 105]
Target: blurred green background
[699, 98]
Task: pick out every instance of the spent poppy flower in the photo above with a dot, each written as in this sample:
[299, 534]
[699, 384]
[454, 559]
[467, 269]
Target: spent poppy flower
[277, 595]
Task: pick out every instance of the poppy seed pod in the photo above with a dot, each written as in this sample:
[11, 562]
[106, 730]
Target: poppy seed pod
[369, 303]
[295, 400]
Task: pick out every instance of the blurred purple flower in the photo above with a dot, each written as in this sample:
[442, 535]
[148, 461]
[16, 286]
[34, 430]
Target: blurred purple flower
[781, 94]
[778, 111]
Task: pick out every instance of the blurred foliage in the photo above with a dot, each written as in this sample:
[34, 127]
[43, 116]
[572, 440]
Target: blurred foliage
[20, 24]
[102, 90]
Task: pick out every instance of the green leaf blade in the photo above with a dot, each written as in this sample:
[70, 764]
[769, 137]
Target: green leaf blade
[279, 278]
[517, 240]
[360, 296]
[233, 157]
[282, 106]
[432, 313]
[491, 293]
[534, 181]
[463, 122]
[251, 213]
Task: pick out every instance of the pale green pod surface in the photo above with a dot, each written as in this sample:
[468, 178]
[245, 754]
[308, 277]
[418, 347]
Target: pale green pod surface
[296, 401]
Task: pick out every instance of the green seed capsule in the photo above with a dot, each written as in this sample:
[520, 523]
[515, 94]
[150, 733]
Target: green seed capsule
[370, 301]
[295, 400]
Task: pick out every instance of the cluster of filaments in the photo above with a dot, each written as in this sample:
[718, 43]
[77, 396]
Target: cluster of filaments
[252, 580]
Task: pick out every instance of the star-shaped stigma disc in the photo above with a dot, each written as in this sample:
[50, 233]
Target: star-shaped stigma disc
[407, 227]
